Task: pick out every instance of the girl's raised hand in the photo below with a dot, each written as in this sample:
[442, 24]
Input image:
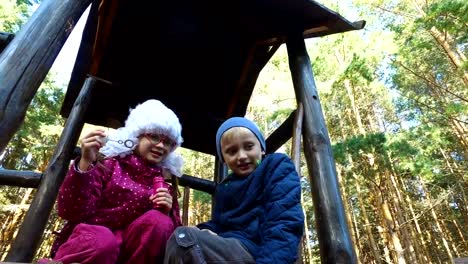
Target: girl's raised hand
[90, 145]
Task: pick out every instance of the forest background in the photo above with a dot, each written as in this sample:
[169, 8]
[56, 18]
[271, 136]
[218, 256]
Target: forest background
[395, 100]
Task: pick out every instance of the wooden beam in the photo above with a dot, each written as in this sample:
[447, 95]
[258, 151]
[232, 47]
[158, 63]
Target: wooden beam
[296, 159]
[35, 221]
[334, 238]
[220, 173]
[83, 59]
[27, 179]
[282, 134]
[325, 28]
[27, 59]
[297, 138]
[197, 183]
[257, 58]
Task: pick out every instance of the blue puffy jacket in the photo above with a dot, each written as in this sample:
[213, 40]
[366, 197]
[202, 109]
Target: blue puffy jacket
[262, 210]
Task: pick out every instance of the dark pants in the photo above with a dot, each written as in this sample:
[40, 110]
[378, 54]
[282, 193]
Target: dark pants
[195, 246]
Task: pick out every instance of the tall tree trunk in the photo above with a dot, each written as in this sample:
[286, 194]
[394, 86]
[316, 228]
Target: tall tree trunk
[444, 40]
[397, 203]
[348, 213]
[367, 226]
[12, 226]
[462, 201]
[358, 235]
[437, 225]
[372, 122]
[389, 225]
[386, 243]
[357, 115]
[449, 164]
[435, 249]
[460, 234]
[424, 256]
[454, 56]
[4, 243]
[351, 218]
[449, 236]
[459, 129]
[440, 96]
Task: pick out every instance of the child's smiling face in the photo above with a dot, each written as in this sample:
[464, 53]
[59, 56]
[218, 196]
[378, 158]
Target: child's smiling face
[241, 150]
[153, 150]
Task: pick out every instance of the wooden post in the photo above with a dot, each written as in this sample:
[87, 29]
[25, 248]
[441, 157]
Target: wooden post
[296, 138]
[296, 158]
[34, 223]
[27, 59]
[334, 239]
[221, 172]
[186, 206]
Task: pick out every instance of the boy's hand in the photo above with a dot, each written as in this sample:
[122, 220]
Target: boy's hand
[90, 145]
[163, 199]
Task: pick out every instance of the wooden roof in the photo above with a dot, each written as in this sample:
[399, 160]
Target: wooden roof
[201, 58]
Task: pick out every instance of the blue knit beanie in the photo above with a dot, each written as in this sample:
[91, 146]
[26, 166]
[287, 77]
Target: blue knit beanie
[238, 122]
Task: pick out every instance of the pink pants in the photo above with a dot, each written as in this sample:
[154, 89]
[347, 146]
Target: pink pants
[143, 241]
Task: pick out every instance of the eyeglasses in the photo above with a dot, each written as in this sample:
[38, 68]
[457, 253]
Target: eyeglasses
[156, 138]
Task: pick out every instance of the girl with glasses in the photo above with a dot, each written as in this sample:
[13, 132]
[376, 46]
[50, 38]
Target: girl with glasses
[113, 213]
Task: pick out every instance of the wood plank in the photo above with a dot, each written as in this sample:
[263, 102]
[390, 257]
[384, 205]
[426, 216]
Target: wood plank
[24, 63]
[28, 179]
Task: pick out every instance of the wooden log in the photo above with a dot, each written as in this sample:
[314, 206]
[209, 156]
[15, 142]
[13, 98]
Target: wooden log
[185, 206]
[27, 179]
[333, 234]
[34, 223]
[281, 134]
[256, 60]
[27, 59]
[297, 138]
[296, 159]
[84, 57]
[197, 183]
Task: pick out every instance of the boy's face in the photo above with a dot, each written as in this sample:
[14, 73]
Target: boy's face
[241, 150]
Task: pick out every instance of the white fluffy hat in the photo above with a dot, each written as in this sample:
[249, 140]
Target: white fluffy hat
[151, 116]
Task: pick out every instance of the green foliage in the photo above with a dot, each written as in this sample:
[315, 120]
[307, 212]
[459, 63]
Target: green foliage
[358, 70]
[450, 16]
[34, 142]
[418, 151]
[358, 145]
[13, 14]
[202, 197]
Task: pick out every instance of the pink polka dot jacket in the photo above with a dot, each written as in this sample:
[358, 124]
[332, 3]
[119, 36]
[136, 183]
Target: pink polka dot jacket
[112, 194]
